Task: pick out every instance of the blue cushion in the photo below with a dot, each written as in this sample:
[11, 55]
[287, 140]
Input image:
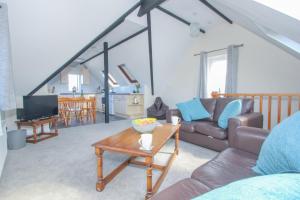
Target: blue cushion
[184, 110]
[192, 110]
[197, 110]
[270, 187]
[281, 150]
[232, 109]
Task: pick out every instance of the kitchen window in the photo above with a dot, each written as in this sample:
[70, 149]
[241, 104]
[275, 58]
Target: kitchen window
[75, 81]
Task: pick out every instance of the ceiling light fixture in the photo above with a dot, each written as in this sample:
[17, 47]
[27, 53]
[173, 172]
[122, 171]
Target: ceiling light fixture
[194, 29]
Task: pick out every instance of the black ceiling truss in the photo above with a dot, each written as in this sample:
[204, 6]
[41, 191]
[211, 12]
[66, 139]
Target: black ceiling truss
[148, 5]
[176, 17]
[216, 11]
[104, 33]
[117, 44]
[150, 51]
[145, 8]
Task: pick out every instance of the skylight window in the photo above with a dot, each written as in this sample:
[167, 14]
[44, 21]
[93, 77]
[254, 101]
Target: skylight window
[111, 80]
[125, 71]
[288, 7]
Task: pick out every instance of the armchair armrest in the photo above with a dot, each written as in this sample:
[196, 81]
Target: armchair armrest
[248, 139]
[253, 119]
[173, 112]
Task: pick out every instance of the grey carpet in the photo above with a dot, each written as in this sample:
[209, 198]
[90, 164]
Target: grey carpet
[100, 118]
[64, 167]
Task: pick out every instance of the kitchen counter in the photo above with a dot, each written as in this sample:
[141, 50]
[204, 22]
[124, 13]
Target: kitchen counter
[79, 93]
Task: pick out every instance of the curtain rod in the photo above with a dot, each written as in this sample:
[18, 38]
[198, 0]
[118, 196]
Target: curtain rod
[240, 45]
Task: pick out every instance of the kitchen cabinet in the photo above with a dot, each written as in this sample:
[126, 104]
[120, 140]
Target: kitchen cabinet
[128, 105]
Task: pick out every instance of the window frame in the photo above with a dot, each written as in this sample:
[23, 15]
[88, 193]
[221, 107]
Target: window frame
[111, 80]
[124, 70]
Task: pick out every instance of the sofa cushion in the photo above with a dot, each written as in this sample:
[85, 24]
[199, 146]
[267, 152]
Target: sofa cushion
[188, 126]
[185, 189]
[271, 187]
[184, 110]
[210, 129]
[247, 106]
[280, 153]
[230, 165]
[210, 105]
[232, 109]
[197, 110]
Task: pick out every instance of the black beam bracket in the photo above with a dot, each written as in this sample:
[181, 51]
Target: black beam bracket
[176, 17]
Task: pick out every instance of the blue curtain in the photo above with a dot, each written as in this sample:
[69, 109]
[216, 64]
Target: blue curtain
[232, 69]
[202, 86]
[7, 95]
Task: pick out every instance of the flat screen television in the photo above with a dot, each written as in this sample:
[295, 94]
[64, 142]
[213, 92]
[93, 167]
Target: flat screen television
[37, 107]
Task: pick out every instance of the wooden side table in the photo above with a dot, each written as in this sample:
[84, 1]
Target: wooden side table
[37, 137]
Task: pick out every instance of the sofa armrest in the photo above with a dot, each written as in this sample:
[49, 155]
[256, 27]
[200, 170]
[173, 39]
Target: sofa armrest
[253, 119]
[173, 112]
[249, 139]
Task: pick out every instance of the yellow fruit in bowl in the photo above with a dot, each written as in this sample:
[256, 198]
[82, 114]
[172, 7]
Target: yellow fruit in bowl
[144, 124]
[144, 121]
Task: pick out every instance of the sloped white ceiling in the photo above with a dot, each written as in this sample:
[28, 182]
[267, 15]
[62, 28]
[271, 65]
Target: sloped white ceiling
[276, 27]
[193, 11]
[45, 34]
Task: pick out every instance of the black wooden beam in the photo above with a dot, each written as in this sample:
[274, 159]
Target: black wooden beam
[150, 51]
[148, 5]
[176, 17]
[105, 32]
[115, 45]
[216, 11]
[106, 88]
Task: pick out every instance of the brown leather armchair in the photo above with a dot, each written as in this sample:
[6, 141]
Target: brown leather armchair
[232, 164]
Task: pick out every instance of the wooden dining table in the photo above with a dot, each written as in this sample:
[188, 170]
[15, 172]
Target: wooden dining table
[77, 108]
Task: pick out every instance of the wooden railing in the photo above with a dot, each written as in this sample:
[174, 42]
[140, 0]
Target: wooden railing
[270, 98]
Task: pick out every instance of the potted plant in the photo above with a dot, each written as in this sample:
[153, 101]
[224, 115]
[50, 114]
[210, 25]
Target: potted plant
[137, 86]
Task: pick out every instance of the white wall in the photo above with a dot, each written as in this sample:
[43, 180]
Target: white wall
[263, 67]
[3, 142]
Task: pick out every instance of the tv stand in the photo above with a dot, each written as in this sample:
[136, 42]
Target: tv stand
[37, 137]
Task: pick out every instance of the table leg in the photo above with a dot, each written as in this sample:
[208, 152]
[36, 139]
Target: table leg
[149, 163]
[34, 135]
[177, 141]
[100, 183]
[55, 126]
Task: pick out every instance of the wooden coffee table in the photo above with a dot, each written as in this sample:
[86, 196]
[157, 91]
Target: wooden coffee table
[126, 142]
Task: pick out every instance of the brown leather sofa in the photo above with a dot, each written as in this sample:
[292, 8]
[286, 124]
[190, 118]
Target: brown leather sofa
[207, 133]
[232, 164]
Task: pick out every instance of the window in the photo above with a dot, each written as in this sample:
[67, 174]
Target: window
[216, 73]
[125, 71]
[75, 80]
[111, 80]
[288, 7]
